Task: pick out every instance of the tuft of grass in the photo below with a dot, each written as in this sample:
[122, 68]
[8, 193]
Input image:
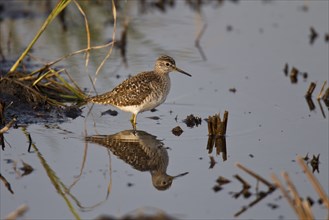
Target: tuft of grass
[47, 84]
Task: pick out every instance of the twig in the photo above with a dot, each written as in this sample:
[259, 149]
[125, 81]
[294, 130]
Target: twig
[48, 65]
[253, 174]
[310, 89]
[8, 126]
[322, 89]
[7, 184]
[285, 194]
[245, 184]
[308, 210]
[243, 209]
[113, 37]
[260, 195]
[87, 30]
[297, 199]
[314, 182]
[17, 213]
[321, 108]
[73, 81]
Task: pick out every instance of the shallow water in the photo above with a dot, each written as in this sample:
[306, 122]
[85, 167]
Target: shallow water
[246, 46]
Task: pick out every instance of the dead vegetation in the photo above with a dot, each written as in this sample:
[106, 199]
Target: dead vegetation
[216, 134]
[45, 92]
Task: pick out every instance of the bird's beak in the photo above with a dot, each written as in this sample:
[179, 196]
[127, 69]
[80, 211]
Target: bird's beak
[179, 175]
[181, 71]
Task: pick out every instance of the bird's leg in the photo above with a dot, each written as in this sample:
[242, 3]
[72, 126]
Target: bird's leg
[133, 121]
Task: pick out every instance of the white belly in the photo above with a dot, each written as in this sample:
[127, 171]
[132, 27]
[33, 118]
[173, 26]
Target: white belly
[146, 106]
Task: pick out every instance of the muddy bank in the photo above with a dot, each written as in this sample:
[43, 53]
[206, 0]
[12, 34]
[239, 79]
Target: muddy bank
[29, 105]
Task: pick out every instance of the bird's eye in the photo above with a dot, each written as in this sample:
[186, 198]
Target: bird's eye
[167, 64]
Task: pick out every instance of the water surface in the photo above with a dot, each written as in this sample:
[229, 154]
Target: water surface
[245, 45]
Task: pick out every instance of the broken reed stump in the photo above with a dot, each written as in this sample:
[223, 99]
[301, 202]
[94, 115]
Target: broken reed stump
[310, 89]
[216, 126]
[293, 75]
[216, 132]
[310, 103]
[220, 144]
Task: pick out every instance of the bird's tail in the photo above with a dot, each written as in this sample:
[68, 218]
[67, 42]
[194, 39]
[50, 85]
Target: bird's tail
[100, 99]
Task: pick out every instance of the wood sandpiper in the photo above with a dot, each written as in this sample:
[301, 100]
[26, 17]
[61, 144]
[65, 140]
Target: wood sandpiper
[141, 150]
[142, 92]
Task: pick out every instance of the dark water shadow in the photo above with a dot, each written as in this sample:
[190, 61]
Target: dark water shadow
[219, 143]
[141, 150]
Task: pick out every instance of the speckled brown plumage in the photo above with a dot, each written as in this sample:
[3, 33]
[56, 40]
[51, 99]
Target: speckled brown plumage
[134, 90]
[142, 151]
[143, 91]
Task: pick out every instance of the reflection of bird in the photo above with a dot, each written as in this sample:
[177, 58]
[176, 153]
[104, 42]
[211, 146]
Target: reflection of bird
[142, 151]
[142, 92]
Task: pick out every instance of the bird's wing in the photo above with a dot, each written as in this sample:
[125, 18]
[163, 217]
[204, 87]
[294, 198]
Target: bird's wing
[130, 92]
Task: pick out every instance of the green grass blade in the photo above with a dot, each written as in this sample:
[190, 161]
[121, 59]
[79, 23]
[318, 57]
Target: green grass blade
[59, 7]
[75, 91]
